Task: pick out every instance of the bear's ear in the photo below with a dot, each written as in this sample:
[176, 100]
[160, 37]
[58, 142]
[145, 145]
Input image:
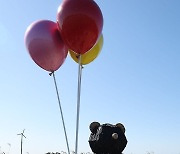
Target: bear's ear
[94, 126]
[121, 126]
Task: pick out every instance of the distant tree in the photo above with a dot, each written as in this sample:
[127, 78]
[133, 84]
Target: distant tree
[150, 152]
[63, 152]
[73, 152]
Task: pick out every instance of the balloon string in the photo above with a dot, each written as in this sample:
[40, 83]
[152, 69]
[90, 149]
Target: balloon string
[60, 108]
[78, 101]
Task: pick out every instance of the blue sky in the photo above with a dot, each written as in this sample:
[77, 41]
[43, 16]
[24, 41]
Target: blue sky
[135, 79]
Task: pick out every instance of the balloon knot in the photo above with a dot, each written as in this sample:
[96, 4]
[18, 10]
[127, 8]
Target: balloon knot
[77, 56]
[51, 73]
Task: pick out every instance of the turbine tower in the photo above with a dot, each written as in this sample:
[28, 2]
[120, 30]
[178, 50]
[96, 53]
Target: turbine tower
[22, 135]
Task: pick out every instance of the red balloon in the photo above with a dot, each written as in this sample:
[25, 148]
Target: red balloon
[45, 45]
[80, 23]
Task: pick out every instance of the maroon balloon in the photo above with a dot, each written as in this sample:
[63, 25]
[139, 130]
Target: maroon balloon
[80, 23]
[45, 45]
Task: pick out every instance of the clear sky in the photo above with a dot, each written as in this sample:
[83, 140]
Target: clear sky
[135, 79]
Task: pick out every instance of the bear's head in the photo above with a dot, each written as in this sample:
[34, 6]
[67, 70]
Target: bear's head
[107, 138]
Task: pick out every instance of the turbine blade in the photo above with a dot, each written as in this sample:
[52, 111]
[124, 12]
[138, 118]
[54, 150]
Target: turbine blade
[23, 130]
[23, 135]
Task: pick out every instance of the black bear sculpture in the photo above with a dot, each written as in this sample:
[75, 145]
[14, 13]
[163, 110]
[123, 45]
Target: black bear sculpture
[107, 138]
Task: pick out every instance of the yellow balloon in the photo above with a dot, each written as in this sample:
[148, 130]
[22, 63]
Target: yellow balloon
[89, 56]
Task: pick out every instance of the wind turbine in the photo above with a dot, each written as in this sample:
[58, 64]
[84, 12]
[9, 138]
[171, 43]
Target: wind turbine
[22, 135]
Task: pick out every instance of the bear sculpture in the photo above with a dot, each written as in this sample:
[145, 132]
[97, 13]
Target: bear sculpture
[107, 138]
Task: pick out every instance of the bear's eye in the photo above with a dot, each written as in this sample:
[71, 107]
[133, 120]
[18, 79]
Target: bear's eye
[121, 126]
[115, 136]
[94, 126]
